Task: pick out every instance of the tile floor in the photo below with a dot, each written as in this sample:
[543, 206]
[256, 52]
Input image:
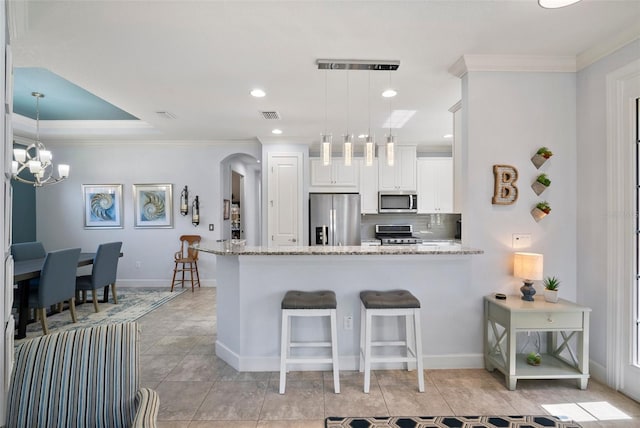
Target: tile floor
[177, 358]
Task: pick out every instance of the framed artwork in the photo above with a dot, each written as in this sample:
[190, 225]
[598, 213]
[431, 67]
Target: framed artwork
[227, 209]
[102, 206]
[153, 205]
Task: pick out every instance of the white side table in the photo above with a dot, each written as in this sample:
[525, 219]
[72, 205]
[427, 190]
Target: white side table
[567, 328]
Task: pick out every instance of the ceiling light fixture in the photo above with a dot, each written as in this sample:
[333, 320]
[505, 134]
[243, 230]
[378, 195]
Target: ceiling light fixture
[277, 131]
[391, 140]
[555, 4]
[447, 136]
[348, 137]
[258, 93]
[37, 159]
[369, 144]
[325, 139]
[389, 93]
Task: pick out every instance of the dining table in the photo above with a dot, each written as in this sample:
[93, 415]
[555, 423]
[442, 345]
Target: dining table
[25, 270]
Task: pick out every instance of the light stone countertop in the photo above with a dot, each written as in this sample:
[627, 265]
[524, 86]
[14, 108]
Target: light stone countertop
[319, 250]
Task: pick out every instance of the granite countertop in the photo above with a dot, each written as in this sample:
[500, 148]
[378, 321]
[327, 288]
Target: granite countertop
[427, 250]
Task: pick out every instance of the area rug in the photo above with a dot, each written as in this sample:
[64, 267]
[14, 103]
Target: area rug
[133, 303]
[448, 422]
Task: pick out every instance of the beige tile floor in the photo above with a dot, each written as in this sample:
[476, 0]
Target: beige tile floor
[177, 358]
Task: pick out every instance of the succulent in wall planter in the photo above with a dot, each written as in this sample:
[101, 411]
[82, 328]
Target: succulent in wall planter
[551, 285]
[541, 210]
[541, 156]
[541, 184]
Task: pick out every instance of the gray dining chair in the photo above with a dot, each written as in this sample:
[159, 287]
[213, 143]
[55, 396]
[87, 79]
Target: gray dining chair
[28, 251]
[105, 268]
[57, 284]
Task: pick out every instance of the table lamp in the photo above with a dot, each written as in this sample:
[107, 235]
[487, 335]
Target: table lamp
[528, 266]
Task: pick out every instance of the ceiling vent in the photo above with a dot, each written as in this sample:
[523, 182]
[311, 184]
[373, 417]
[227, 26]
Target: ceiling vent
[270, 115]
[357, 64]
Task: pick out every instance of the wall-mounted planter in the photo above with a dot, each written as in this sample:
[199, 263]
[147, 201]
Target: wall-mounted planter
[538, 187]
[538, 214]
[541, 157]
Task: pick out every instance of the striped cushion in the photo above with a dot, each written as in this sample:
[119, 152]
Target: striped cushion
[81, 378]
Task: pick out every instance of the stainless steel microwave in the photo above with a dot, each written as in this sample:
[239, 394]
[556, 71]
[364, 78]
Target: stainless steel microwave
[397, 202]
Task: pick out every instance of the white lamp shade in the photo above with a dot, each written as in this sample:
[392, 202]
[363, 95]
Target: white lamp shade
[63, 170]
[20, 155]
[35, 166]
[45, 156]
[554, 4]
[528, 266]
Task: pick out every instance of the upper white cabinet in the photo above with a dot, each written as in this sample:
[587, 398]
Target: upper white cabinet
[435, 185]
[368, 187]
[400, 176]
[334, 175]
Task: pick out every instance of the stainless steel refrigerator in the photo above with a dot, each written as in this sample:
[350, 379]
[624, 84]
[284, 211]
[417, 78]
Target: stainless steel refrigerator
[334, 219]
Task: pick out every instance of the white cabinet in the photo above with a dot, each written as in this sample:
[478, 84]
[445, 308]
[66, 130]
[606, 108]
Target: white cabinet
[368, 187]
[400, 176]
[435, 185]
[337, 174]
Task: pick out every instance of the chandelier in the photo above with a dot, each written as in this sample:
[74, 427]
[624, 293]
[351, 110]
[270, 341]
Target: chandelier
[37, 159]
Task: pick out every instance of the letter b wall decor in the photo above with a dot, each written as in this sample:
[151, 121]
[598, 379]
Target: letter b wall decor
[505, 191]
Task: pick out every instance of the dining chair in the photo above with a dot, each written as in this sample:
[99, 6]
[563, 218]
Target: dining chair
[103, 274]
[28, 251]
[57, 284]
[186, 260]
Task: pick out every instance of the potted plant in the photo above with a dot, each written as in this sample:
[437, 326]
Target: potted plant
[551, 285]
[541, 156]
[541, 210]
[541, 183]
[534, 358]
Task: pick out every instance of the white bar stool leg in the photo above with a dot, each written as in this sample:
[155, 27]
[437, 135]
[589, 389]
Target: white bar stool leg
[334, 352]
[284, 348]
[409, 342]
[367, 351]
[362, 333]
[418, 349]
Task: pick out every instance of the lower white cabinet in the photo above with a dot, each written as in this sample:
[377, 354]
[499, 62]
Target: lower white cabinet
[435, 185]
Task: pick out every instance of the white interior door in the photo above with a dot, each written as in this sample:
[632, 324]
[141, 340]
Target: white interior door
[284, 199]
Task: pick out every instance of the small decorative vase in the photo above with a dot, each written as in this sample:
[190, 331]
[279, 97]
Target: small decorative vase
[538, 214]
[551, 296]
[538, 160]
[538, 187]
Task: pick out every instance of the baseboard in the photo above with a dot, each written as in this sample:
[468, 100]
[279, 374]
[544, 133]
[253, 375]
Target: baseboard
[598, 372]
[155, 283]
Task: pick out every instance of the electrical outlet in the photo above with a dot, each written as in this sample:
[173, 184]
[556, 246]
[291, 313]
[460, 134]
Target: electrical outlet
[521, 240]
[211, 228]
[138, 265]
[348, 322]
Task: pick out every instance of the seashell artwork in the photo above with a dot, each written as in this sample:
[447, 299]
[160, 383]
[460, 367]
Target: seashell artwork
[153, 207]
[102, 206]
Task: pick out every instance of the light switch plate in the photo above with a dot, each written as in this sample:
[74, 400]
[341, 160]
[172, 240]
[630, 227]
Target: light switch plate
[521, 240]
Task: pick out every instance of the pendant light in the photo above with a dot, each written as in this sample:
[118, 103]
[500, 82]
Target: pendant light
[391, 140]
[348, 137]
[325, 139]
[369, 145]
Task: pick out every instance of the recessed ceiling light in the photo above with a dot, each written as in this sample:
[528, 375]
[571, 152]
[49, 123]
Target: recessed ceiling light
[389, 93]
[398, 118]
[258, 93]
[362, 136]
[554, 4]
[277, 131]
[447, 136]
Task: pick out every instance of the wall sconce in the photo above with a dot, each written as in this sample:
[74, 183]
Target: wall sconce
[195, 212]
[184, 201]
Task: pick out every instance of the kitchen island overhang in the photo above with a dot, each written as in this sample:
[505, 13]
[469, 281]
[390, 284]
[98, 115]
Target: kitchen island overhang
[251, 282]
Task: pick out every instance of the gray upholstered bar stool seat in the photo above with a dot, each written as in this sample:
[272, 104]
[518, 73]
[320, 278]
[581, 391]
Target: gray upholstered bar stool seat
[308, 304]
[385, 304]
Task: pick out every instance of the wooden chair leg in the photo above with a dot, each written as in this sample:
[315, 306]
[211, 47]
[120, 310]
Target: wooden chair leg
[42, 313]
[115, 295]
[72, 309]
[197, 274]
[191, 276]
[94, 296]
[59, 308]
[84, 296]
[173, 281]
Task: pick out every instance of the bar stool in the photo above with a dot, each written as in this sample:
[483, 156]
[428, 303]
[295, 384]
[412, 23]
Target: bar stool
[385, 304]
[308, 304]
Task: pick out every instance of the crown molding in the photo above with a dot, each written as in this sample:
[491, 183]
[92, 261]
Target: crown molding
[606, 47]
[517, 63]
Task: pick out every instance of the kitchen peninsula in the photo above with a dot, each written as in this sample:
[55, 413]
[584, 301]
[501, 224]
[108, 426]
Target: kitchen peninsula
[252, 281]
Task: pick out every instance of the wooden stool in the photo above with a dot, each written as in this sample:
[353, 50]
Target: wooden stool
[186, 260]
[308, 304]
[385, 304]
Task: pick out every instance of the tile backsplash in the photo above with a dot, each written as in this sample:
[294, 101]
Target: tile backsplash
[425, 226]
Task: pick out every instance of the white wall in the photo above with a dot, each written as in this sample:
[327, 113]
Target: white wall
[507, 116]
[592, 191]
[60, 207]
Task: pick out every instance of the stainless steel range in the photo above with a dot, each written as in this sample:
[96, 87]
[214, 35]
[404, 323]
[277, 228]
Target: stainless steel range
[396, 234]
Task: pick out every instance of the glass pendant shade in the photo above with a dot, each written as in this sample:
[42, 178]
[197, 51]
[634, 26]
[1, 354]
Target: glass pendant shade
[348, 149]
[369, 146]
[325, 144]
[390, 148]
